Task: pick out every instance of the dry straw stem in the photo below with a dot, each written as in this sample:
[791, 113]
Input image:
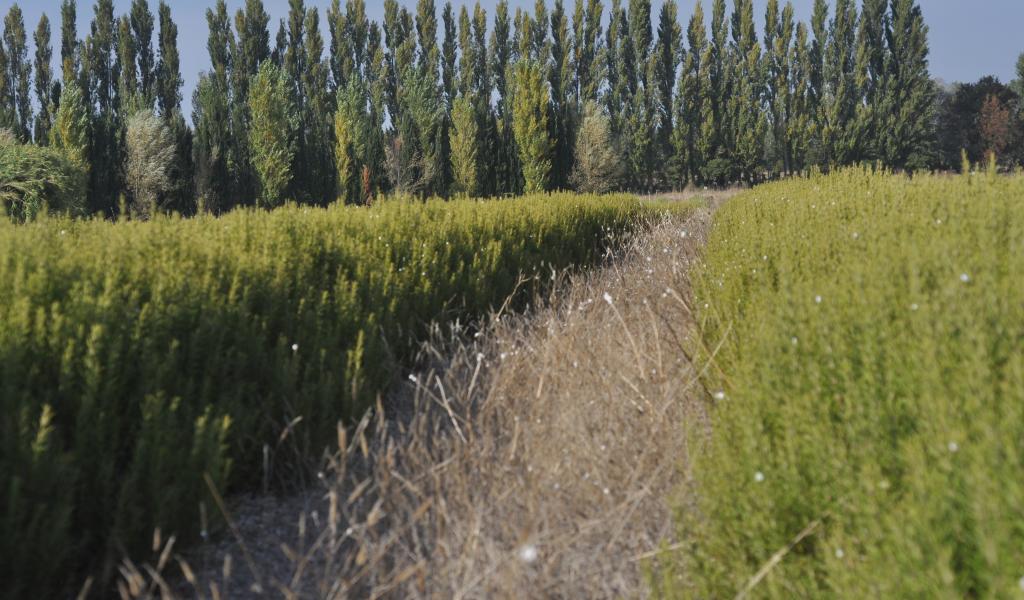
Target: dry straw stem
[533, 457]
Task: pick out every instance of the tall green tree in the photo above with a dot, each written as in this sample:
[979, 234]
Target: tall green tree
[70, 132]
[838, 104]
[800, 130]
[530, 108]
[689, 150]
[869, 73]
[270, 133]
[505, 156]
[18, 74]
[747, 116]
[667, 57]
[816, 80]
[168, 78]
[127, 76]
[251, 49]
[168, 82]
[718, 164]
[142, 31]
[778, 40]
[211, 149]
[69, 57]
[426, 32]
[105, 146]
[586, 26]
[464, 135]
[560, 77]
[1017, 85]
[318, 122]
[44, 81]
[909, 107]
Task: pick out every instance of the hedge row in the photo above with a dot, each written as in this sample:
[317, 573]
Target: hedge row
[135, 357]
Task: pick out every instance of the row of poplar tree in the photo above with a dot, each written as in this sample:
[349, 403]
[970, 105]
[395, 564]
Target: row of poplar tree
[536, 101]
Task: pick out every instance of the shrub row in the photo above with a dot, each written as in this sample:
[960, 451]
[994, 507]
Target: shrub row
[135, 357]
[868, 420]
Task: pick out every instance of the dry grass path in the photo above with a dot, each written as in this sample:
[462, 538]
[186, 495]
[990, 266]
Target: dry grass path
[536, 459]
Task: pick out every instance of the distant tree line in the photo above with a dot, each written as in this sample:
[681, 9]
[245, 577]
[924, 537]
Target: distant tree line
[472, 105]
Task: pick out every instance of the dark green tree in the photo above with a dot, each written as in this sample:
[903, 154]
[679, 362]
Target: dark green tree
[212, 145]
[748, 118]
[44, 81]
[18, 74]
[69, 57]
[560, 78]
[667, 56]
[168, 77]
[838, 104]
[270, 133]
[909, 135]
[142, 32]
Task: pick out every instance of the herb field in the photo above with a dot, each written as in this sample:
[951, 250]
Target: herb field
[135, 357]
[868, 420]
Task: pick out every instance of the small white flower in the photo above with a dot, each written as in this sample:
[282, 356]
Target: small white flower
[503, 355]
[413, 379]
[295, 347]
[759, 477]
[794, 341]
[479, 356]
[938, 221]
[964, 277]
[607, 491]
[528, 553]
[953, 447]
[62, 232]
[914, 307]
[817, 299]
[856, 235]
[839, 553]
[607, 297]
[765, 257]
[719, 395]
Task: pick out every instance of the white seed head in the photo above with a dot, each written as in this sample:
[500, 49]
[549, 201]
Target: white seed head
[914, 307]
[295, 347]
[759, 477]
[964, 277]
[528, 553]
[719, 395]
[413, 379]
[953, 447]
[840, 553]
[607, 297]
[817, 299]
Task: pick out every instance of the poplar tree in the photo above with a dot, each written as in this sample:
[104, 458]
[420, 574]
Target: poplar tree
[800, 128]
[688, 148]
[168, 82]
[816, 80]
[838, 108]
[69, 57]
[778, 43]
[250, 51]
[718, 161]
[504, 152]
[318, 122]
[586, 50]
[748, 118]
[104, 144]
[44, 81]
[561, 81]
[18, 74]
[270, 133]
[908, 138]
[869, 75]
[449, 57]
[530, 106]
[142, 31]
[127, 77]
[426, 33]
[464, 155]
[212, 144]
[667, 56]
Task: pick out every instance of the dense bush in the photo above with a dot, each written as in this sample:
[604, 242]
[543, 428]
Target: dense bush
[33, 178]
[137, 356]
[868, 394]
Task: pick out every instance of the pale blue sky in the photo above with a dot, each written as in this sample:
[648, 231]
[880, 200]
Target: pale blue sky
[969, 38]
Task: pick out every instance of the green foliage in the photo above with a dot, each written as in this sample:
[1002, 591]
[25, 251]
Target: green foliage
[463, 140]
[530, 109]
[598, 167]
[18, 74]
[270, 133]
[36, 178]
[137, 356]
[867, 389]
